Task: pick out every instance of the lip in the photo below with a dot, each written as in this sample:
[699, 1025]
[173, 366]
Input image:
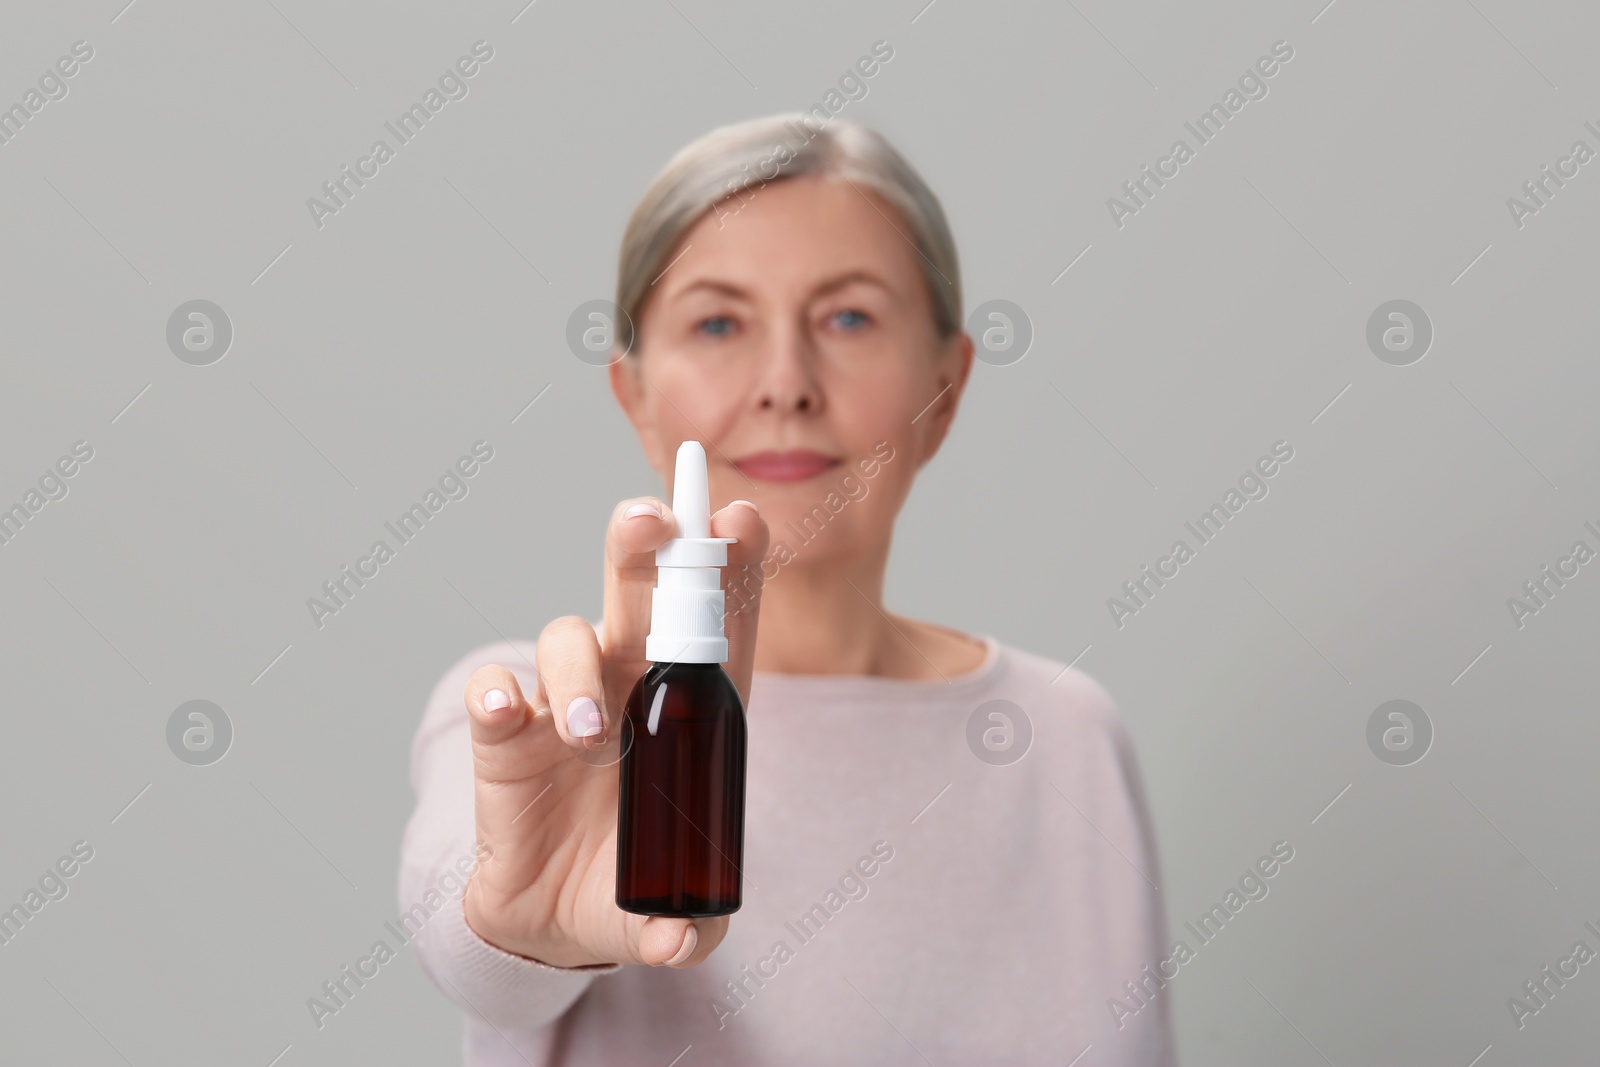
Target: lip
[794, 466]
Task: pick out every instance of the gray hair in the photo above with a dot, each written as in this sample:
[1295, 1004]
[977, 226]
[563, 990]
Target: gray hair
[724, 162]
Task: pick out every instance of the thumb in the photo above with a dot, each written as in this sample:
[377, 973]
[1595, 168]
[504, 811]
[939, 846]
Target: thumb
[742, 580]
[665, 942]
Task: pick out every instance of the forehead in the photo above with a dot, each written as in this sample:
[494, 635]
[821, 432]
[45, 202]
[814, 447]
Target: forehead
[794, 233]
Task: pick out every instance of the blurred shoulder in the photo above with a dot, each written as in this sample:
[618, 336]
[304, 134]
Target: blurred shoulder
[1054, 685]
[1078, 731]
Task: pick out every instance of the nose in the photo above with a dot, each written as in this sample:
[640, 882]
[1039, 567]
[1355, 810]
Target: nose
[788, 380]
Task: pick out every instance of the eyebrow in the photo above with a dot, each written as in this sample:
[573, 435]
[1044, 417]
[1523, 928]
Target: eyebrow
[833, 284]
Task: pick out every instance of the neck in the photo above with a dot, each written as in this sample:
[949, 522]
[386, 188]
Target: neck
[827, 617]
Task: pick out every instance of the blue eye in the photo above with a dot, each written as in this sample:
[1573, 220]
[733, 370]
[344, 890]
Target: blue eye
[851, 319]
[716, 326]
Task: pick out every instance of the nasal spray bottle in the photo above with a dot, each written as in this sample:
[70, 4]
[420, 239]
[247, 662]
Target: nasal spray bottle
[680, 799]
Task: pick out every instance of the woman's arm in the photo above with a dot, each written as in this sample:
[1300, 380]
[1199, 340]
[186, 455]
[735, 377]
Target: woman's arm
[438, 853]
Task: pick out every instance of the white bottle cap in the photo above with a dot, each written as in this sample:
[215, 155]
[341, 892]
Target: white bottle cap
[687, 603]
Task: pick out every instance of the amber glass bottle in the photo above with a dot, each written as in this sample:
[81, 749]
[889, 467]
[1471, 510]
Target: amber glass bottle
[680, 799]
[680, 794]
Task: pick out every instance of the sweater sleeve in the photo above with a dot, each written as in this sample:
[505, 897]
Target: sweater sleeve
[1163, 1050]
[437, 852]
[1102, 770]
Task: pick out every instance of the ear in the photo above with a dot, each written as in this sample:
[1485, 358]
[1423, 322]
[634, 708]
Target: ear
[629, 387]
[955, 366]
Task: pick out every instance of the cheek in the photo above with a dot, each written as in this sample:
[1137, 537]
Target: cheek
[686, 402]
[882, 388]
[884, 403]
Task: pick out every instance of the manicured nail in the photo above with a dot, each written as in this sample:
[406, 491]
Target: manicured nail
[583, 717]
[642, 509]
[691, 940]
[495, 699]
[747, 504]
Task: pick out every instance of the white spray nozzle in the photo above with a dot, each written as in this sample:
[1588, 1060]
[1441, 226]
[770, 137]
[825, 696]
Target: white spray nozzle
[691, 496]
[687, 604]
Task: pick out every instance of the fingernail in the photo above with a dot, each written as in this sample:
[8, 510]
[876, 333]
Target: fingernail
[583, 717]
[691, 940]
[495, 699]
[747, 504]
[642, 509]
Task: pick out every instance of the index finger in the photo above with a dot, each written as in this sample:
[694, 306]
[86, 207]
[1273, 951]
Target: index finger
[638, 527]
[631, 575]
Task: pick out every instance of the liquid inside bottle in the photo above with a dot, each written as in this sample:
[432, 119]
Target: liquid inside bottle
[680, 800]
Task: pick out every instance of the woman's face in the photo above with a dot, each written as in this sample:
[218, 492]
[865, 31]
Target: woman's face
[793, 336]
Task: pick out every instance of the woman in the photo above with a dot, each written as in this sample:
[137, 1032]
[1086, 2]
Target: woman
[929, 877]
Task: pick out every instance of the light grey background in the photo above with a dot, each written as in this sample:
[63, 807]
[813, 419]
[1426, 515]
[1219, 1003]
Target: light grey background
[1226, 315]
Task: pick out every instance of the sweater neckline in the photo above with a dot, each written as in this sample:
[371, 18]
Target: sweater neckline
[878, 686]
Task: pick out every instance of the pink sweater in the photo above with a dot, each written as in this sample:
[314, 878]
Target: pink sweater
[905, 902]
